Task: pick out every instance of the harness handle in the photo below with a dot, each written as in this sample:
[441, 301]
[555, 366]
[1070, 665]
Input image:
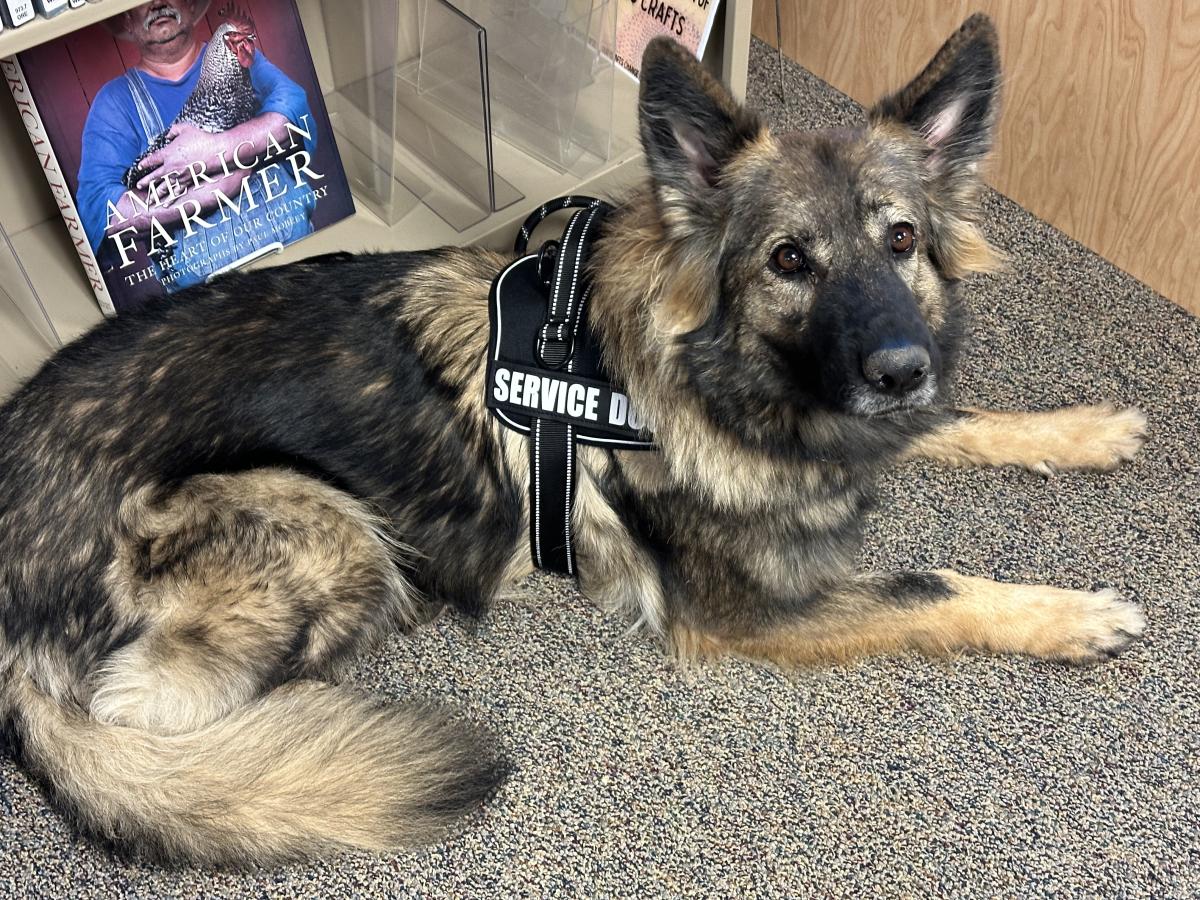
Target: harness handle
[521, 245]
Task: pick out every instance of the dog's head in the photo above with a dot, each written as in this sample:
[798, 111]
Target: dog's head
[815, 271]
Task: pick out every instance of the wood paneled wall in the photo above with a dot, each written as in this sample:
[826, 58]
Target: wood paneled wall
[1100, 128]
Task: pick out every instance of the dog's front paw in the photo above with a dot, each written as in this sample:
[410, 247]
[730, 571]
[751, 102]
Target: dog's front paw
[1087, 437]
[1035, 619]
[1081, 627]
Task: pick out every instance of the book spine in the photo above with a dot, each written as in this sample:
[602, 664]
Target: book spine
[50, 8]
[48, 160]
[17, 12]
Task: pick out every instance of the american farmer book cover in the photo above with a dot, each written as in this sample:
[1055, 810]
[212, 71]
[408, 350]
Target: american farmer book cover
[181, 139]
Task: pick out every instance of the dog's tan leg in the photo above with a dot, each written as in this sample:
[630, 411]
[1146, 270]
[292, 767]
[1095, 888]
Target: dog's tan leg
[937, 613]
[1075, 437]
[235, 584]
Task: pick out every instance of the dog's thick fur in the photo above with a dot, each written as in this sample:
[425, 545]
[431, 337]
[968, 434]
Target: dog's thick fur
[206, 507]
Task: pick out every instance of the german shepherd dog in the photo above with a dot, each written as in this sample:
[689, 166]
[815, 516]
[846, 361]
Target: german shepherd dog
[208, 507]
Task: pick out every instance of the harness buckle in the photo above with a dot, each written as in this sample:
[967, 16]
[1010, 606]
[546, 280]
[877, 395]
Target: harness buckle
[554, 345]
[546, 258]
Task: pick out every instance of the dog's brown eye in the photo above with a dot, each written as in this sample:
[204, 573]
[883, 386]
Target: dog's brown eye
[788, 259]
[903, 237]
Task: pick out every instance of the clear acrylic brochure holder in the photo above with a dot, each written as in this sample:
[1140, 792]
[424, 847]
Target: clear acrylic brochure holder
[551, 85]
[22, 317]
[400, 147]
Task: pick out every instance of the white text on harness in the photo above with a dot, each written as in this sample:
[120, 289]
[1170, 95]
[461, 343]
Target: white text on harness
[558, 396]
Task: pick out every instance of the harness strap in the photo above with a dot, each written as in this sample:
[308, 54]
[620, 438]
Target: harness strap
[551, 442]
[521, 245]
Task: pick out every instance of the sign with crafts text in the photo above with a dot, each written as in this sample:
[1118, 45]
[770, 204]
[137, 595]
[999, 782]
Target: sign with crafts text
[639, 21]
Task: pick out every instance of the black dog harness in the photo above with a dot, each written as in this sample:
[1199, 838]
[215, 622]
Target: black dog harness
[545, 377]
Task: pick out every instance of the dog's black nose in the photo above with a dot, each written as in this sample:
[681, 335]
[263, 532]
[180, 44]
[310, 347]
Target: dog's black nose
[897, 370]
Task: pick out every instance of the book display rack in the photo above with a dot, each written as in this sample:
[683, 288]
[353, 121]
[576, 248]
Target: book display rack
[451, 120]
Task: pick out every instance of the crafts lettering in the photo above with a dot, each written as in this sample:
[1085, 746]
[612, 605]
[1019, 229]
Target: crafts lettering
[665, 14]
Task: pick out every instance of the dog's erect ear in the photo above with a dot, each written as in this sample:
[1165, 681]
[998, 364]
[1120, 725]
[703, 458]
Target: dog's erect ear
[690, 125]
[953, 103]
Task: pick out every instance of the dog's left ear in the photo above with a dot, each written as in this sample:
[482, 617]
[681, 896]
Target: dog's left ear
[691, 130]
[691, 127]
[952, 105]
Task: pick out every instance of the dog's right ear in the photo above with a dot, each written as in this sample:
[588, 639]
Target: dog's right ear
[952, 106]
[691, 127]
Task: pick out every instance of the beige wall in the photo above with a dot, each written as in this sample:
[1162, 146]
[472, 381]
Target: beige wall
[1100, 131]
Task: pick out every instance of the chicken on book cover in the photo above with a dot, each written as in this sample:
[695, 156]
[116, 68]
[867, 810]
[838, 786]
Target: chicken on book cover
[181, 140]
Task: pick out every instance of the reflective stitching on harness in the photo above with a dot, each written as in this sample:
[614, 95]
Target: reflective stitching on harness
[539, 315]
[571, 440]
[567, 513]
[570, 545]
[575, 272]
[566, 242]
[537, 492]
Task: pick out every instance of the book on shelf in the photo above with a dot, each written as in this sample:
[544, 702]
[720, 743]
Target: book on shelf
[15, 13]
[181, 140]
[50, 8]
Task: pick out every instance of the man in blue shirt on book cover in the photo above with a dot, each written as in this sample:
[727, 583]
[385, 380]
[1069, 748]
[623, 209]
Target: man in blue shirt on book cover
[130, 111]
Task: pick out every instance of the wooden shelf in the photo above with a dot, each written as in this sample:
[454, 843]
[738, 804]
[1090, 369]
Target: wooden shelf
[14, 40]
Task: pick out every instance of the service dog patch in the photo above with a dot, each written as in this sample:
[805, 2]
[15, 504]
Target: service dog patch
[557, 375]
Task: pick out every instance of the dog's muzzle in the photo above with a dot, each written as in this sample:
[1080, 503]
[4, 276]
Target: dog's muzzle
[899, 375]
[897, 371]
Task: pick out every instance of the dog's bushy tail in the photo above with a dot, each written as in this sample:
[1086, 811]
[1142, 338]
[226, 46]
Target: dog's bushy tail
[307, 768]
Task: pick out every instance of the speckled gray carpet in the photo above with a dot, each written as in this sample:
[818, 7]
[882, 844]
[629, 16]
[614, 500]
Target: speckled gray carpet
[897, 777]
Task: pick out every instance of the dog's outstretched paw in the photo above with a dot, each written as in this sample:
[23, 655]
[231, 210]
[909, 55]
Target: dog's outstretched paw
[1059, 624]
[1074, 437]
[1099, 437]
[1091, 627]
